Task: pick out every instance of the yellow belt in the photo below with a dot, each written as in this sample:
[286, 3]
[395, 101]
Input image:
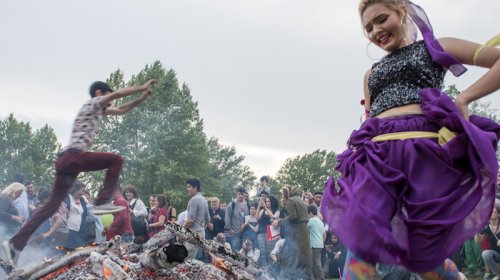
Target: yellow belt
[444, 135]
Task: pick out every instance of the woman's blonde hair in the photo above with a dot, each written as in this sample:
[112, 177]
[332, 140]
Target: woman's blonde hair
[11, 189]
[396, 5]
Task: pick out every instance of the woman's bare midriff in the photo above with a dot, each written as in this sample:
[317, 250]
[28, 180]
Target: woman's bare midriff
[409, 109]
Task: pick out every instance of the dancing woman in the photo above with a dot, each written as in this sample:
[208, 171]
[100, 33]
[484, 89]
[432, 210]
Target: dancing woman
[418, 178]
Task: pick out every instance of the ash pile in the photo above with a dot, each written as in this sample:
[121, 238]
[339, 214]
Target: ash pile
[156, 259]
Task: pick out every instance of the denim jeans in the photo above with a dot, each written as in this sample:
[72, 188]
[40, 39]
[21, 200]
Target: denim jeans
[68, 166]
[490, 258]
[235, 242]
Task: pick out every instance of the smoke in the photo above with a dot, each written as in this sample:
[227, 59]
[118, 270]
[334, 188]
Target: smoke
[32, 255]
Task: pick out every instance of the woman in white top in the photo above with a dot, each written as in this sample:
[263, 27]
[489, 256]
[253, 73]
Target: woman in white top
[77, 209]
[138, 211]
[136, 205]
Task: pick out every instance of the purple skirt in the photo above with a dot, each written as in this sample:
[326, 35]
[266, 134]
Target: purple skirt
[413, 202]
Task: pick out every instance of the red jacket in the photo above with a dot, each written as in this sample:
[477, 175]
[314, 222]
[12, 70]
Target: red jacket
[121, 222]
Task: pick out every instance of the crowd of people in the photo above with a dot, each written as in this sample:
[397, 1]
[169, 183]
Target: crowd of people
[287, 238]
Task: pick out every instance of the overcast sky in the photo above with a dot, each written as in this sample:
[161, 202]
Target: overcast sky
[274, 78]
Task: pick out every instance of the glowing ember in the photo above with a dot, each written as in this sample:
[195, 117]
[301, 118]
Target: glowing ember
[219, 263]
[106, 272]
[55, 273]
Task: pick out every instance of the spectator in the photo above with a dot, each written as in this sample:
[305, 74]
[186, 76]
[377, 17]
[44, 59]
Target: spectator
[44, 228]
[22, 207]
[77, 213]
[264, 181]
[299, 235]
[335, 256]
[182, 218]
[46, 235]
[473, 258]
[157, 215]
[248, 250]
[264, 194]
[267, 212]
[152, 203]
[9, 216]
[221, 239]
[217, 216]
[308, 198]
[251, 226]
[59, 221]
[284, 260]
[33, 200]
[198, 217]
[223, 206]
[317, 236]
[93, 220]
[122, 224]
[139, 213]
[318, 196]
[492, 232]
[235, 218]
[172, 212]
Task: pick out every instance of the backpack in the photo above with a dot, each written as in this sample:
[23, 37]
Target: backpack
[138, 223]
[87, 226]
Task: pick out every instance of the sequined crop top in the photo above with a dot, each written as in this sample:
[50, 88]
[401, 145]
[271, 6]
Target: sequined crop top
[396, 79]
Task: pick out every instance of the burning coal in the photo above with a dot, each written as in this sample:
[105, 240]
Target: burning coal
[156, 259]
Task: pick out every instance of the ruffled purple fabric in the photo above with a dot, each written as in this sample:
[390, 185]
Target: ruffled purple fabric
[414, 202]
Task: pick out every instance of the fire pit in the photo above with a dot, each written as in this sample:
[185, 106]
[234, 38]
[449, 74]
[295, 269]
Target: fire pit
[155, 259]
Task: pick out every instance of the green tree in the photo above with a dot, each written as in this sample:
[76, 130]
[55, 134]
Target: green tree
[26, 154]
[309, 171]
[162, 140]
[227, 171]
[480, 108]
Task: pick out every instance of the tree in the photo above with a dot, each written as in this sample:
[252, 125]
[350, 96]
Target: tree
[480, 108]
[309, 171]
[25, 155]
[227, 171]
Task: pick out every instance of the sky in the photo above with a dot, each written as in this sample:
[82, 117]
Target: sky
[274, 78]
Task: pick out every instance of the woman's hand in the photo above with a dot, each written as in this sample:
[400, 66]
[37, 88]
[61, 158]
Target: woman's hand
[463, 106]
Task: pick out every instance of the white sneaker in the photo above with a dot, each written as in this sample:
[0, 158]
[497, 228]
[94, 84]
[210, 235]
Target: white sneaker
[107, 208]
[10, 253]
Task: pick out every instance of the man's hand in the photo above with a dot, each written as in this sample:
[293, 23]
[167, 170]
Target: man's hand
[18, 219]
[148, 85]
[274, 258]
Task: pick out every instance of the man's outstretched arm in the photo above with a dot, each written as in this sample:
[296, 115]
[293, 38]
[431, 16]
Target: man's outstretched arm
[123, 92]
